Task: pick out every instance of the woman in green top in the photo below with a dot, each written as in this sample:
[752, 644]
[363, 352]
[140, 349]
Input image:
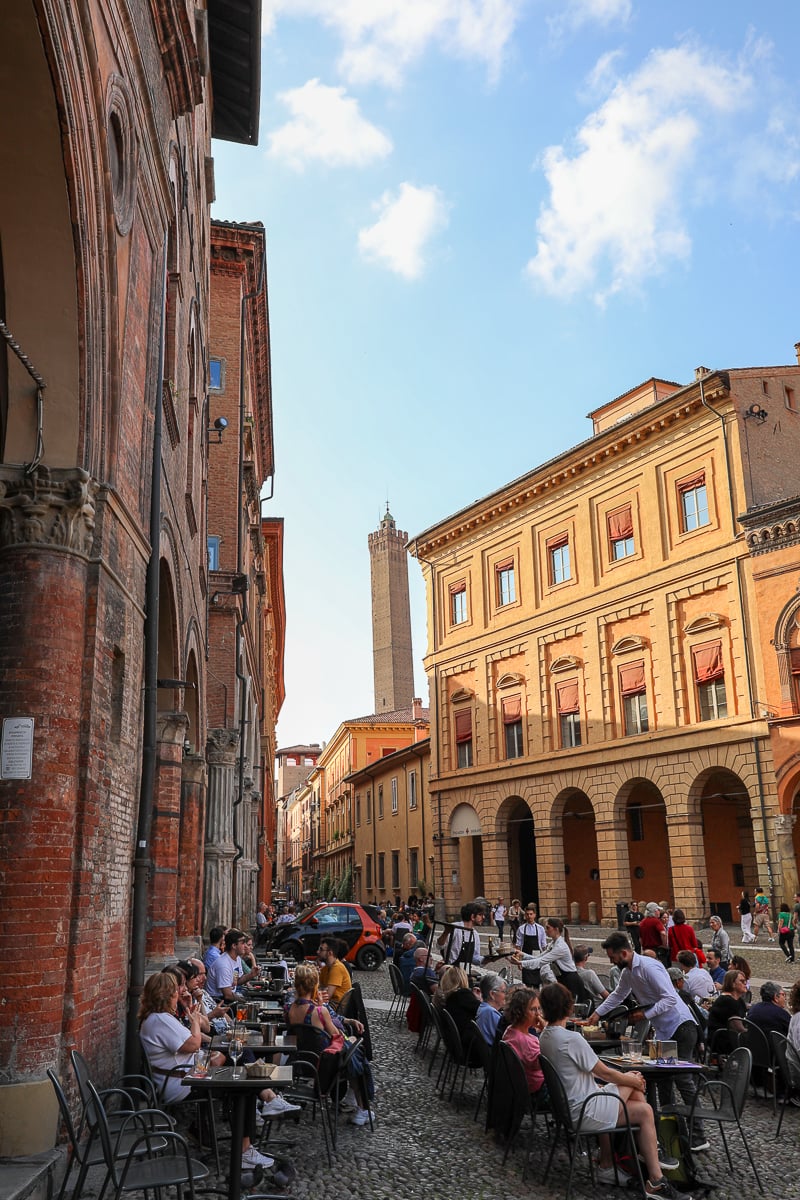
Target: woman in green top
[786, 932]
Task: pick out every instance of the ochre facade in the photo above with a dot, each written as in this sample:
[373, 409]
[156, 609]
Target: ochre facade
[600, 664]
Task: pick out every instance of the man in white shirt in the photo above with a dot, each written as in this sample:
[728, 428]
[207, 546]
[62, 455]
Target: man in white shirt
[226, 973]
[462, 943]
[531, 937]
[699, 982]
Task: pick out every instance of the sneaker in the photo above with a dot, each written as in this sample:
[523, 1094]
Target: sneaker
[770, 939]
[361, 1117]
[664, 1190]
[667, 1162]
[606, 1175]
[349, 1104]
[277, 1107]
[700, 1143]
[251, 1158]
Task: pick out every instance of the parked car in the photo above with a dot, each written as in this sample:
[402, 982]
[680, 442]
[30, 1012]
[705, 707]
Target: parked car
[352, 923]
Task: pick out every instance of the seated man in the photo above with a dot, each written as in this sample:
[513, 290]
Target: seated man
[698, 981]
[404, 957]
[423, 974]
[334, 977]
[715, 968]
[493, 999]
[770, 1013]
[589, 978]
[216, 937]
[225, 975]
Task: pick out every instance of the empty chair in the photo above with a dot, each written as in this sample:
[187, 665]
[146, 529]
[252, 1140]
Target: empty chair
[763, 1073]
[397, 1007]
[511, 1079]
[788, 1076]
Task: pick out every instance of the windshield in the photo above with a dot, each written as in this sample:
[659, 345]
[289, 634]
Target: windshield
[307, 912]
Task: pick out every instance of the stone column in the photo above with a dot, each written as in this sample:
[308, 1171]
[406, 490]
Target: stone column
[162, 908]
[786, 865]
[615, 867]
[446, 866]
[190, 854]
[550, 871]
[687, 858]
[222, 749]
[246, 830]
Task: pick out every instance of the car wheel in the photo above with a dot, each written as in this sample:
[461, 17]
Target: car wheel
[369, 958]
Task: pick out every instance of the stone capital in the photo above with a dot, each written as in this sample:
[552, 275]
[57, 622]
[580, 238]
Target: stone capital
[221, 746]
[52, 507]
[171, 727]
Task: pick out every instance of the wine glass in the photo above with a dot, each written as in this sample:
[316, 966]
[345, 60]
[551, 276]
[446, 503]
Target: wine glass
[235, 1052]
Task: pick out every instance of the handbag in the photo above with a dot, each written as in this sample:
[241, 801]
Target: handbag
[336, 1046]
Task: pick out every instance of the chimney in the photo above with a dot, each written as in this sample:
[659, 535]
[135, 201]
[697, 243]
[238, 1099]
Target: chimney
[700, 373]
[416, 709]
[797, 352]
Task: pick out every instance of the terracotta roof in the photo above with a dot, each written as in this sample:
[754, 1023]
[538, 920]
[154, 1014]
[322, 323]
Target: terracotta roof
[399, 716]
[316, 749]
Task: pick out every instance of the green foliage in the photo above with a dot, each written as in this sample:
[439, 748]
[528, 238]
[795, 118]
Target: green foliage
[326, 886]
[344, 888]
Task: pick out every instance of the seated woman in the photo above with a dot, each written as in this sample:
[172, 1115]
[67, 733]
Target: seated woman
[308, 1011]
[523, 1015]
[458, 999]
[171, 1052]
[729, 1003]
[579, 1069]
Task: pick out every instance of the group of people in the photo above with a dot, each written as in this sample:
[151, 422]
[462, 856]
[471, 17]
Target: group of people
[756, 915]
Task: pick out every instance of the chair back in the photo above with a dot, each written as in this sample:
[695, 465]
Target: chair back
[82, 1076]
[512, 1073]
[779, 1045]
[451, 1037]
[755, 1040]
[396, 979]
[736, 1074]
[66, 1115]
[480, 1048]
[559, 1105]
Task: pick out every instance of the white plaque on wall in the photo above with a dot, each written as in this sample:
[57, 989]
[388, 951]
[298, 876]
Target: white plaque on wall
[16, 749]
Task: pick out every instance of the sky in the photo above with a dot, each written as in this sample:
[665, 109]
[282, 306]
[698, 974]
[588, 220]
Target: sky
[484, 219]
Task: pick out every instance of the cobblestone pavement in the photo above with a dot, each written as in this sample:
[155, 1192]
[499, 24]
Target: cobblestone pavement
[422, 1144]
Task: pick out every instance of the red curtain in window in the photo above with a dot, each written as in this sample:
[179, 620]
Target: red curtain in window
[464, 725]
[457, 587]
[567, 697]
[692, 481]
[708, 662]
[631, 679]
[512, 710]
[506, 565]
[555, 543]
[620, 524]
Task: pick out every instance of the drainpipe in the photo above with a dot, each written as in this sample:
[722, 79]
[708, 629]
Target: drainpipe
[439, 904]
[141, 857]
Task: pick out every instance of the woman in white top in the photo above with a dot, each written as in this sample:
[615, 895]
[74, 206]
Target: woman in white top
[558, 954]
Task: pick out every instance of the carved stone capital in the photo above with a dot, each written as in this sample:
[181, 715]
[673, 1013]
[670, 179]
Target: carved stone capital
[222, 745]
[54, 506]
[171, 727]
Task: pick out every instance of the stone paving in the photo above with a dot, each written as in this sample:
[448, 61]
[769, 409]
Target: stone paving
[422, 1144]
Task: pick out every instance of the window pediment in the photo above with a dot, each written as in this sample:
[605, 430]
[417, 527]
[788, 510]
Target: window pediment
[627, 644]
[510, 679]
[705, 621]
[461, 696]
[567, 662]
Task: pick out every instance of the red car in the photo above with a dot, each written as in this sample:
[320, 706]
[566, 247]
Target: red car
[351, 923]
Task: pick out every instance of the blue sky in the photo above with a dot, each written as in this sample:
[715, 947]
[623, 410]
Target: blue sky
[486, 218]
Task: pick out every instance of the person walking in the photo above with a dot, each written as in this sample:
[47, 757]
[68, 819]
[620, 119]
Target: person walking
[786, 932]
[499, 916]
[745, 911]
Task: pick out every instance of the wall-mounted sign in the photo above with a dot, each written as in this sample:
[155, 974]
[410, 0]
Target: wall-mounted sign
[16, 748]
[465, 822]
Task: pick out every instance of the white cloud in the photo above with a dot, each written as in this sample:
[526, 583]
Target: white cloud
[615, 210]
[407, 222]
[600, 12]
[382, 38]
[326, 126]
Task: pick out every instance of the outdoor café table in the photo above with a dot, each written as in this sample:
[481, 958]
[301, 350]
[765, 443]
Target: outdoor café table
[653, 1070]
[241, 1092]
[222, 1041]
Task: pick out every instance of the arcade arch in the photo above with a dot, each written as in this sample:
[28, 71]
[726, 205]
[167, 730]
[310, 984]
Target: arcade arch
[729, 849]
[581, 865]
[514, 823]
[641, 806]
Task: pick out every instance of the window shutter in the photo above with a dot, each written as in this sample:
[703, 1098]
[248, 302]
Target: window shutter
[457, 587]
[567, 697]
[512, 710]
[620, 524]
[464, 725]
[555, 543]
[631, 679]
[691, 482]
[708, 662]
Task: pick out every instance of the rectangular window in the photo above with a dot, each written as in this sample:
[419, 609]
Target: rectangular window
[463, 724]
[558, 561]
[380, 801]
[369, 807]
[216, 380]
[620, 533]
[395, 870]
[358, 808]
[369, 872]
[505, 585]
[394, 794]
[694, 502]
[512, 726]
[413, 868]
[213, 553]
[794, 661]
[458, 603]
[738, 874]
[634, 699]
[569, 715]
[709, 675]
[381, 872]
[412, 789]
[635, 823]
[791, 399]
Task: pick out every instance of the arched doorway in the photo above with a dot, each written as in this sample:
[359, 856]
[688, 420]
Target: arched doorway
[581, 866]
[523, 876]
[648, 842]
[728, 843]
[465, 825]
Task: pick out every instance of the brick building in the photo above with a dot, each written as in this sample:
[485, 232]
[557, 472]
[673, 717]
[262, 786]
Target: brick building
[393, 663]
[293, 766]
[105, 183]
[613, 659]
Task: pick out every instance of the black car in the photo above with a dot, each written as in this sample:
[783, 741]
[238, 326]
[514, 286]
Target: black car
[351, 923]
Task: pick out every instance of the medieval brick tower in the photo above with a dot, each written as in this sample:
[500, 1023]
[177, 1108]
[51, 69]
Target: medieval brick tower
[393, 664]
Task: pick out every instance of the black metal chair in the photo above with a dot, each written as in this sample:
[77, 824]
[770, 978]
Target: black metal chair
[572, 1128]
[728, 1096]
[399, 994]
[522, 1102]
[423, 1002]
[458, 1058]
[203, 1107]
[154, 1161]
[763, 1073]
[482, 1052]
[780, 1054]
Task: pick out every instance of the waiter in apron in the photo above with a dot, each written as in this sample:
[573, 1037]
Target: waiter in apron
[531, 939]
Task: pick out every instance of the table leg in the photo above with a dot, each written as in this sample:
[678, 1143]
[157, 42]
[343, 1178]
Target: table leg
[238, 1102]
